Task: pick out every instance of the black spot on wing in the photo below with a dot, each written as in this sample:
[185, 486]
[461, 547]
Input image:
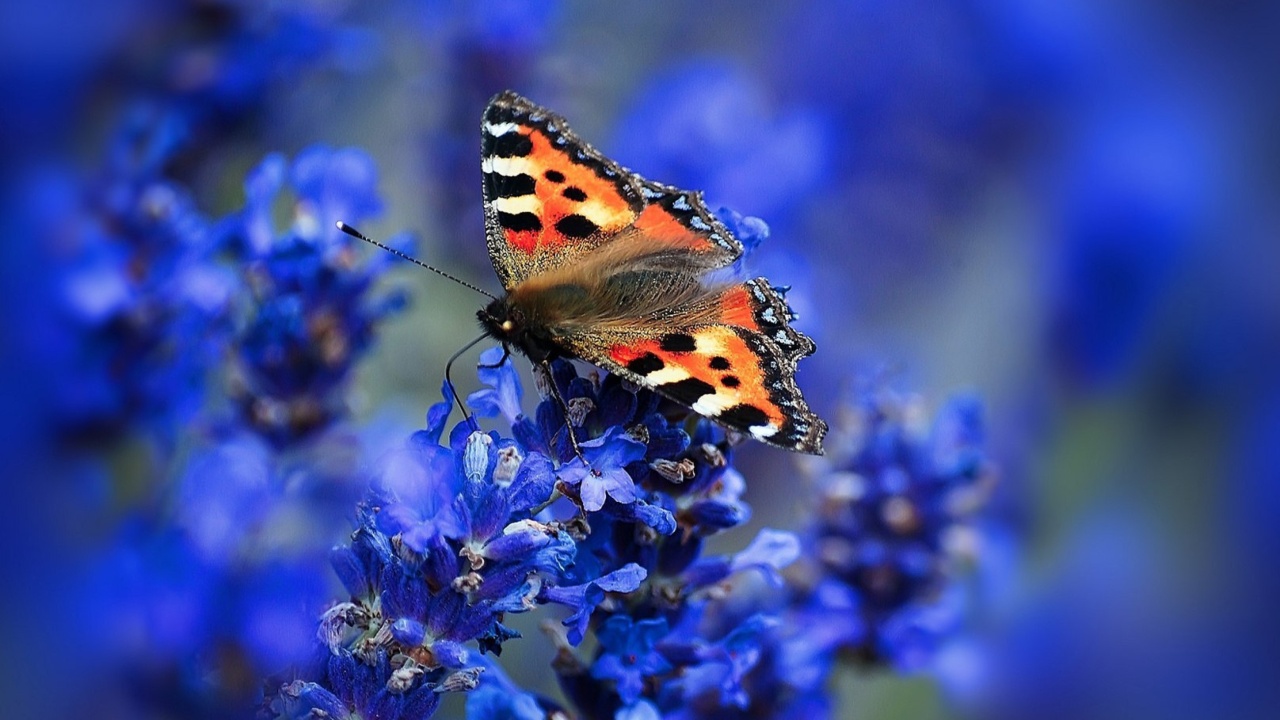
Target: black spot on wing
[574, 194]
[510, 185]
[678, 342]
[646, 364]
[743, 417]
[576, 226]
[554, 176]
[519, 222]
[512, 144]
[688, 390]
[719, 363]
[730, 381]
[509, 107]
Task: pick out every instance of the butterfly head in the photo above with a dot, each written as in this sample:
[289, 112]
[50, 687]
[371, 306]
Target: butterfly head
[509, 325]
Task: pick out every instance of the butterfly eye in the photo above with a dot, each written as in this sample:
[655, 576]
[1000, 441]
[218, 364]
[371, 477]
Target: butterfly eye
[507, 325]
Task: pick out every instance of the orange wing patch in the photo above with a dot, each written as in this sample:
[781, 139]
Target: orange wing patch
[713, 370]
[757, 306]
[679, 219]
[737, 308]
[549, 197]
[543, 199]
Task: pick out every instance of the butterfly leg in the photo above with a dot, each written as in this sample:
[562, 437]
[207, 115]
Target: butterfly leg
[564, 409]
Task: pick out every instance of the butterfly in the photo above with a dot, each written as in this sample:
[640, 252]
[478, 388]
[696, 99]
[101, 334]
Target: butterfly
[602, 265]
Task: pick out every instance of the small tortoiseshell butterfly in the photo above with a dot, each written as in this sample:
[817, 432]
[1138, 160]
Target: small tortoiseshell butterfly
[602, 265]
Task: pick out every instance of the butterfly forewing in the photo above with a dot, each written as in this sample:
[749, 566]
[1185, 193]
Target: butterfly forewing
[550, 198]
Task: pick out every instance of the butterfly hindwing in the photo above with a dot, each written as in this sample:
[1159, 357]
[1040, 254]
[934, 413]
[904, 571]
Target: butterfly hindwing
[551, 199]
[757, 306]
[731, 369]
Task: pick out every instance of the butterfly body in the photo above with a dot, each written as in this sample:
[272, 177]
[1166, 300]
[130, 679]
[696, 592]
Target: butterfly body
[602, 265]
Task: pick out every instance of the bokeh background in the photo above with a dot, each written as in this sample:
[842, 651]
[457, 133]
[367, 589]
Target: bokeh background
[1066, 208]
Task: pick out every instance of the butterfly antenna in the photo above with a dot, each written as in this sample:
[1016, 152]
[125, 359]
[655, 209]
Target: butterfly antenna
[357, 234]
[448, 378]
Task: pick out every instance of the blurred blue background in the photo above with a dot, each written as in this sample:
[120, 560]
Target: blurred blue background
[1068, 209]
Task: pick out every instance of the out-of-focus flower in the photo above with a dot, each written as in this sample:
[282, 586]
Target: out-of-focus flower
[891, 527]
[134, 307]
[707, 125]
[242, 52]
[215, 66]
[214, 575]
[312, 309]
[1099, 638]
[1132, 198]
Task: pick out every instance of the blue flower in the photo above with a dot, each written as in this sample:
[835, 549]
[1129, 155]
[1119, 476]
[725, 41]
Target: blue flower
[711, 500]
[584, 598]
[504, 394]
[333, 185]
[300, 700]
[604, 474]
[706, 124]
[442, 551]
[131, 309]
[630, 655]
[419, 484]
[498, 698]
[887, 513]
[313, 312]
[768, 553]
[725, 664]
[596, 405]
[226, 489]
[378, 689]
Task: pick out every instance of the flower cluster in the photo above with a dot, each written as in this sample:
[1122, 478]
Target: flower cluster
[459, 531]
[213, 583]
[890, 526]
[309, 313]
[130, 307]
[708, 124]
[134, 303]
